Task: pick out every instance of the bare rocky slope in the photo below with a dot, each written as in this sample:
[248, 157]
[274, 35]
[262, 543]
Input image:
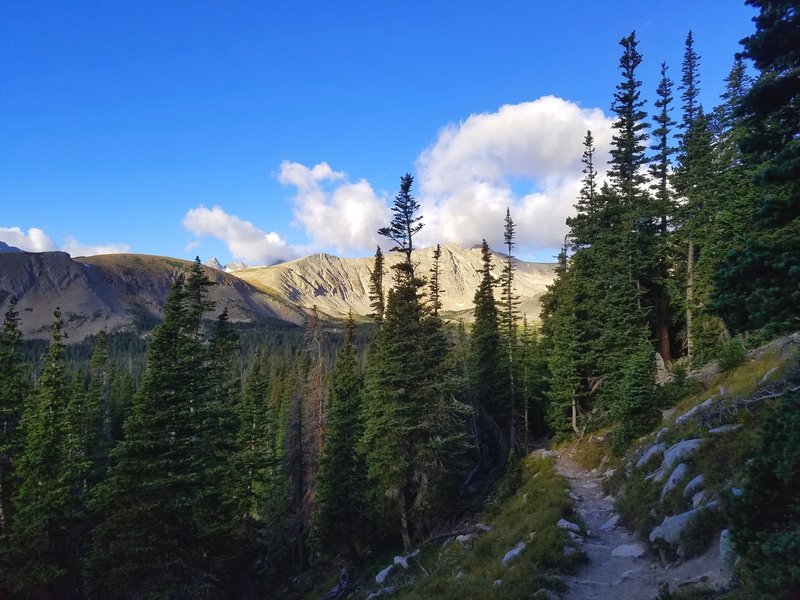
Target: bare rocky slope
[337, 285]
[115, 291]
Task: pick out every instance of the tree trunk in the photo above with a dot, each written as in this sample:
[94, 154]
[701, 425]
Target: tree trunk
[404, 523]
[575, 414]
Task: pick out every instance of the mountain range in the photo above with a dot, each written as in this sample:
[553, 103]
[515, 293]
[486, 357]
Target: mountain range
[117, 291]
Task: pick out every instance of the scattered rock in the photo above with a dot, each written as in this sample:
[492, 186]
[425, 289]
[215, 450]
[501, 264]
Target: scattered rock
[568, 525]
[414, 554]
[629, 551]
[672, 529]
[727, 554]
[661, 433]
[569, 551]
[725, 428]
[609, 474]
[652, 451]
[590, 485]
[698, 498]
[482, 527]
[628, 575]
[680, 451]
[460, 575]
[400, 561]
[693, 486]
[609, 498]
[575, 536]
[544, 453]
[657, 476]
[465, 538]
[610, 524]
[381, 577]
[574, 496]
[693, 412]
[678, 474]
[513, 553]
[737, 491]
[498, 582]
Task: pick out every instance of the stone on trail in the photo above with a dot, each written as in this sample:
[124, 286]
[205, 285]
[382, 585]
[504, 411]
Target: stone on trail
[400, 561]
[568, 525]
[610, 524]
[629, 551]
[673, 529]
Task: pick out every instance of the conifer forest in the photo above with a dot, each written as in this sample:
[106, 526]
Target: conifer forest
[211, 460]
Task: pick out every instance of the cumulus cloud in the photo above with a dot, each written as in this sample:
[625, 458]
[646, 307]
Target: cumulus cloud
[334, 212]
[76, 248]
[36, 240]
[525, 156]
[244, 240]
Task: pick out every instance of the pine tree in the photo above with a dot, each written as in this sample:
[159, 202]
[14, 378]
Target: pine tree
[759, 286]
[435, 287]
[507, 321]
[342, 503]
[158, 533]
[486, 349]
[45, 553]
[584, 225]
[406, 422]
[690, 84]
[376, 292]
[14, 387]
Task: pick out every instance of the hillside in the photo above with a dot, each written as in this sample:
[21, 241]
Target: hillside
[337, 285]
[115, 291]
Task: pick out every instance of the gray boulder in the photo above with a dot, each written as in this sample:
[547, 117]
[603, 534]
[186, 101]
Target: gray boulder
[568, 525]
[727, 554]
[678, 475]
[652, 451]
[610, 524]
[513, 553]
[723, 429]
[694, 412]
[673, 529]
[698, 498]
[400, 561]
[680, 452]
[693, 486]
[381, 577]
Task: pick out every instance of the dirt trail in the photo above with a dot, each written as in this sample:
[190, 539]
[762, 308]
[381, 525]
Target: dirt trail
[610, 577]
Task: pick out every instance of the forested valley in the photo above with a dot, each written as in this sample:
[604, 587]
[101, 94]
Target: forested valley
[207, 460]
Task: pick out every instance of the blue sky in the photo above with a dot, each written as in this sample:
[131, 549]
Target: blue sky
[261, 131]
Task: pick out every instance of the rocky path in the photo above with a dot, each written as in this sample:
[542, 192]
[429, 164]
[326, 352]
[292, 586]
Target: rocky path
[620, 566]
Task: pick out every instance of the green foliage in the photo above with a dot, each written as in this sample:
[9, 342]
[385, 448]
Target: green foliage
[732, 354]
[635, 397]
[765, 517]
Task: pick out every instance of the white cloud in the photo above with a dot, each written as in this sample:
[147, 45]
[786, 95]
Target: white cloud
[36, 240]
[525, 156]
[333, 211]
[245, 241]
[76, 248]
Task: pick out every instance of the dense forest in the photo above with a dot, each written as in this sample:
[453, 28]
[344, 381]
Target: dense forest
[226, 462]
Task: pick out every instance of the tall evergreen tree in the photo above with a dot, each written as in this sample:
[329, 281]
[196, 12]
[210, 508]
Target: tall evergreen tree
[158, 533]
[341, 518]
[486, 349]
[376, 291]
[14, 386]
[690, 84]
[405, 222]
[507, 321]
[45, 552]
[584, 226]
[759, 286]
[434, 284]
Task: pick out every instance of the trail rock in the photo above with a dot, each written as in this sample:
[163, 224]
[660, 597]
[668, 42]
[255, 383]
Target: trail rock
[513, 553]
[680, 451]
[693, 486]
[400, 561]
[610, 524]
[629, 551]
[652, 451]
[568, 525]
[678, 474]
